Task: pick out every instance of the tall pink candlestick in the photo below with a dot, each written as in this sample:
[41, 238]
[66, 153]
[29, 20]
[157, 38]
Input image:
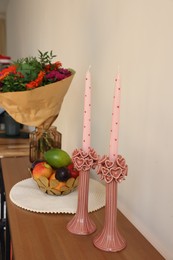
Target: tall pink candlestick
[81, 223]
[113, 149]
[87, 113]
[110, 239]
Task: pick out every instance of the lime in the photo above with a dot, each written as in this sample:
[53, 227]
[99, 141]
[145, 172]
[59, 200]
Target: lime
[57, 158]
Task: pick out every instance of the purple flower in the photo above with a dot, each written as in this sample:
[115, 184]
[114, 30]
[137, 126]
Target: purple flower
[57, 75]
[66, 72]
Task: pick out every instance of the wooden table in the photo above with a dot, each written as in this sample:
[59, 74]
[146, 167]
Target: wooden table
[37, 236]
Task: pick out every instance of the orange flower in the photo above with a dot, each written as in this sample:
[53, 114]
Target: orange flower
[4, 73]
[37, 82]
[55, 65]
[58, 64]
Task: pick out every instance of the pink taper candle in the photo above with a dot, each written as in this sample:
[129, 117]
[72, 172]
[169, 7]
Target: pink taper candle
[113, 151]
[87, 113]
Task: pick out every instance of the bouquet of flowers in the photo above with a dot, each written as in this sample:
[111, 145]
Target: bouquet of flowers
[32, 89]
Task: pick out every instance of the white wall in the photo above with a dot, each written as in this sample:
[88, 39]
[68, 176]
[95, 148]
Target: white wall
[137, 36]
[3, 6]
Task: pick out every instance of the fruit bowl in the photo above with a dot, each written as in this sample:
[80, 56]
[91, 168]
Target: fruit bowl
[55, 174]
[55, 187]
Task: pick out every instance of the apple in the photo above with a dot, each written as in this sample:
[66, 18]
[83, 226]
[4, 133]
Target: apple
[36, 162]
[73, 172]
[42, 169]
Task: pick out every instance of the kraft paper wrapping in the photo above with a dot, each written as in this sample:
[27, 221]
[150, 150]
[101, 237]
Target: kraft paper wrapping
[38, 107]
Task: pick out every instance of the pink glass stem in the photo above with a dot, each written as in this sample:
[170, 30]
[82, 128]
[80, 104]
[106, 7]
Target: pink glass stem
[81, 223]
[110, 239]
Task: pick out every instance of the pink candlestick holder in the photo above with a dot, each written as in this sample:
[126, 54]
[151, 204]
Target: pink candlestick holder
[81, 223]
[112, 172]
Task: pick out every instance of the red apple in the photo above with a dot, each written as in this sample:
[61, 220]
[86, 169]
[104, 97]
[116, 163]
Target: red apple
[73, 172]
[42, 169]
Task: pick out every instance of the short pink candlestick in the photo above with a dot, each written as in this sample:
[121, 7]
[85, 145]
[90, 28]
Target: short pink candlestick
[112, 169]
[81, 223]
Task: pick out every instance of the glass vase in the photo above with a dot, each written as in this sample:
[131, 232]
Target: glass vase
[42, 140]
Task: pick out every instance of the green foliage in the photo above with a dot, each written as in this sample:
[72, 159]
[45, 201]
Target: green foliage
[46, 58]
[14, 82]
[31, 66]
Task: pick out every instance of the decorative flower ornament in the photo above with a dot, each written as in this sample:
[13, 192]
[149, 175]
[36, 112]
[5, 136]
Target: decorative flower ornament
[110, 171]
[84, 161]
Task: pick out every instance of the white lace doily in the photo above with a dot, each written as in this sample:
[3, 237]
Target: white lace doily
[26, 194]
